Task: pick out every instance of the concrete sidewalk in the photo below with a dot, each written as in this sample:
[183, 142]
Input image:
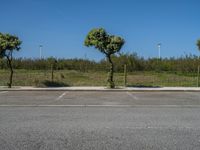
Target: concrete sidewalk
[137, 89]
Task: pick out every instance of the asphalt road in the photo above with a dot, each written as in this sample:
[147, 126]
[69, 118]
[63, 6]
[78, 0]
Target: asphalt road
[99, 120]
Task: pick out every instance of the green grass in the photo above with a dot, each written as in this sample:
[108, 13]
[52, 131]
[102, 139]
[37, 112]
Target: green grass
[41, 78]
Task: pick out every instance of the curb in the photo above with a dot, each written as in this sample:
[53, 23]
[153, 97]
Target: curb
[103, 89]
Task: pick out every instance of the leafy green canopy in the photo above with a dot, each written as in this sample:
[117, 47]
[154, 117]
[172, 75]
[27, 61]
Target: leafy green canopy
[8, 43]
[107, 44]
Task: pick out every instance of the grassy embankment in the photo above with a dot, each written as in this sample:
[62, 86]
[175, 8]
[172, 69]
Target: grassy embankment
[41, 78]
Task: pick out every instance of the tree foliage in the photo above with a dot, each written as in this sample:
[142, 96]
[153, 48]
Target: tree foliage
[187, 63]
[107, 44]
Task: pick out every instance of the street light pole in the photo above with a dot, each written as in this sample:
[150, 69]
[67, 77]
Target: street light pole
[159, 47]
[40, 51]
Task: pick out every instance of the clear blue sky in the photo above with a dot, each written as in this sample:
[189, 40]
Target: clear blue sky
[61, 25]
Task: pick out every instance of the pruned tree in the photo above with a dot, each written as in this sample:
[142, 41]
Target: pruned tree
[198, 44]
[52, 61]
[107, 44]
[9, 43]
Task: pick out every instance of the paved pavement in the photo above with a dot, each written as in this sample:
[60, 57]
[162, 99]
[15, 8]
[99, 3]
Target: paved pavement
[71, 98]
[57, 120]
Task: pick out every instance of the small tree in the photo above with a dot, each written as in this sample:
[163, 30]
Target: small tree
[52, 61]
[198, 44]
[9, 43]
[107, 44]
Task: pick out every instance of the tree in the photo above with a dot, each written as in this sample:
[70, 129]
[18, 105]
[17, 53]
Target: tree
[52, 61]
[107, 44]
[198, 44]
[9, 43]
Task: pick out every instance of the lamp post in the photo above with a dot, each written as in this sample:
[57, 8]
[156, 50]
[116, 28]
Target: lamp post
[40, 46]
[159, 47]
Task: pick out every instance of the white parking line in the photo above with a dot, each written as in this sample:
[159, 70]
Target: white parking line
[3, 92]
[59, 97]
[132, 96]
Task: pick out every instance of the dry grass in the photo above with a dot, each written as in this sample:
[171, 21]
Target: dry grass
[41, 78]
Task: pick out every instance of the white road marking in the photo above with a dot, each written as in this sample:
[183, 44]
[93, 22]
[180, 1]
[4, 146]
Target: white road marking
[131, 106]
[132, 96]
[3, 92]
[59, 97]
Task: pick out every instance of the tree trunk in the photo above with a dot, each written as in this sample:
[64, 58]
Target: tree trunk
[9, 60]
[52, 70]
[111, 83]
[125, 75]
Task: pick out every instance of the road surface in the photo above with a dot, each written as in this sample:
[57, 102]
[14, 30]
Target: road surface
[57, 120]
